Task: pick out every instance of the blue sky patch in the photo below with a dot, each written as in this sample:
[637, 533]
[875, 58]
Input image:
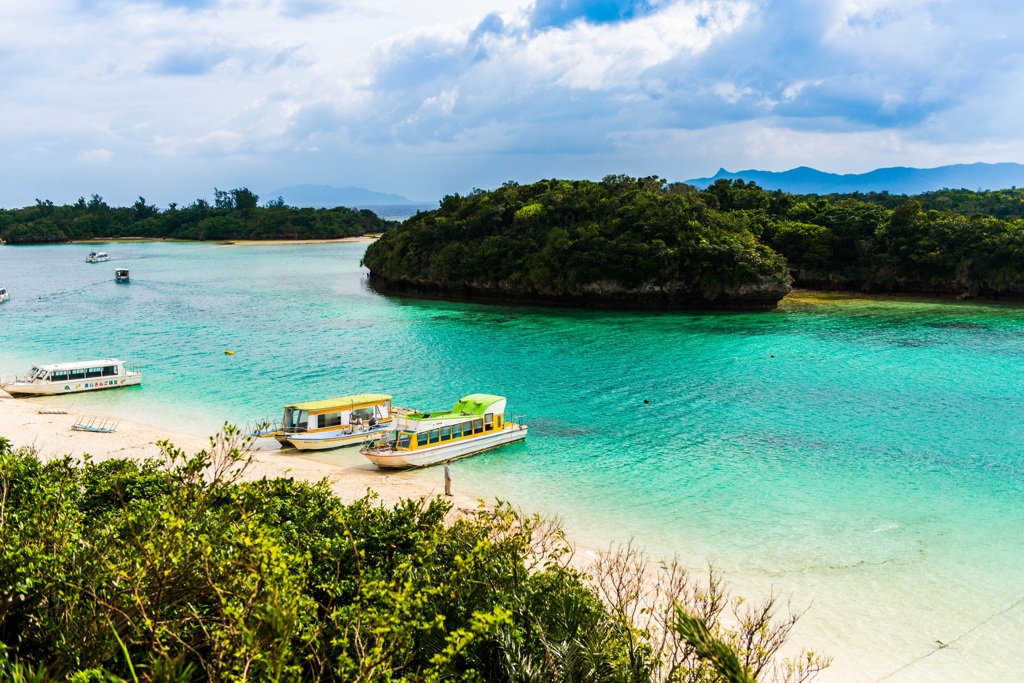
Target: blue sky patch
[561, 13]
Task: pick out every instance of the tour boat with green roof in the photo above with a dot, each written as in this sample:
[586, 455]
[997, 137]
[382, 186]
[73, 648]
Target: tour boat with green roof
[335, 422]
[476, 423]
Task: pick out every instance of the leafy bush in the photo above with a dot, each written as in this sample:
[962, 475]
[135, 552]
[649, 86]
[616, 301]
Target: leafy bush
[183, 570]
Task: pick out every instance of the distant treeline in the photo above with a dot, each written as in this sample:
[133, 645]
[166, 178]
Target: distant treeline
[997, 203]
[234, 214]
[641, 242]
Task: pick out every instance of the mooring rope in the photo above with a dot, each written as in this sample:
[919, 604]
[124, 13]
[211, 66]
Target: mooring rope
[943, 646]
[68, 292]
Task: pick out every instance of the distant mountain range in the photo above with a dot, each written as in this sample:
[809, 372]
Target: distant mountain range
[898, 180]
[325, 196]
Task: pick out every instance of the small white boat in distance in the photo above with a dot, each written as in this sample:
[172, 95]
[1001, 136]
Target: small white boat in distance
[69, 378]
[97, 257]
[335, 422]
[477, 423]
[4, 296]
[121, 275]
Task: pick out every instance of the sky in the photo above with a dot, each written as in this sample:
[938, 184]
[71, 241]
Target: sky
[168, 99]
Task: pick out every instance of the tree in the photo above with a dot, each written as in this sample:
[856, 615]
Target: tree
[143, 210]
[243, 199]
[222, 199]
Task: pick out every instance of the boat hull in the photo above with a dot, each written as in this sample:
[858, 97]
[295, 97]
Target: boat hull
[424, 457]
[78, 386]
[330, 440]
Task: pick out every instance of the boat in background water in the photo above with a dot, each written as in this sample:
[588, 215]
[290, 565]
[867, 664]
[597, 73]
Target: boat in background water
[97, 257]
[334, 422]
[477, 423]
[70, 378]
[4, 295]
[121, 275]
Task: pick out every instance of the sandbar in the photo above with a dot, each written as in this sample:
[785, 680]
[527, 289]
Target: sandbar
[285, 243]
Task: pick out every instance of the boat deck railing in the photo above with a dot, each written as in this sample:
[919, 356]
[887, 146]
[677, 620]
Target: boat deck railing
[260, 428]
[13, 379]
[514, 422]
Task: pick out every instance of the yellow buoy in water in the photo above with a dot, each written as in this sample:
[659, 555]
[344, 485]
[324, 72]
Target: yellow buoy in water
[229, 352]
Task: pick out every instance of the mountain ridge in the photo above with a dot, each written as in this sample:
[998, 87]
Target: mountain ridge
[327, 196]
[895, 180]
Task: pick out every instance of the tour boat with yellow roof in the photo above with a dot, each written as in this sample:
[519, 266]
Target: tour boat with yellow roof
[477, 423]
[335, 422]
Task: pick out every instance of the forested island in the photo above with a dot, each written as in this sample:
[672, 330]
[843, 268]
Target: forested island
[642, 242]
[234, 214]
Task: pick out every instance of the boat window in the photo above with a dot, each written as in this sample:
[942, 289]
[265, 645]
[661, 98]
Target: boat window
[328, 420]
[404, 439]
[363, 414]
[59, 376]
[421, 439]
[34, 372]
[93, 372]
[446, 433]
[302, 421]
[467, 428]
[456, 431]
[478, 426]
[435, 436]
[110, 371]
[75, 375]
[489, 421]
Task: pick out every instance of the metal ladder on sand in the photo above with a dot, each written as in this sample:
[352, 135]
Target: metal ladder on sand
[95, 423]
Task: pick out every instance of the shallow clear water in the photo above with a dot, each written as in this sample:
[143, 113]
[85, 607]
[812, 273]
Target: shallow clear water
[861, 455]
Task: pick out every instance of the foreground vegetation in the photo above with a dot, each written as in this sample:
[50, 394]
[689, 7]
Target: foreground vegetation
[235, 214]
[183, 570]
[638, 242]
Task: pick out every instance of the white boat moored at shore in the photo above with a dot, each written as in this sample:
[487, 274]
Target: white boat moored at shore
[97, 257]
[477, 423]
[4, 295]
[69, 378]
[334, 422]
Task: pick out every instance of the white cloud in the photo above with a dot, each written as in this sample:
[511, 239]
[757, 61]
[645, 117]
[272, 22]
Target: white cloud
[95, 156]
[430, 98]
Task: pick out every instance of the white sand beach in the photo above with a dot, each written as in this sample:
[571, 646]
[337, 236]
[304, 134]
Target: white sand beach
[35, 424]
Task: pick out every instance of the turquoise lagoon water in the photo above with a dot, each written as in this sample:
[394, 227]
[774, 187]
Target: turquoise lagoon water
[862, 456]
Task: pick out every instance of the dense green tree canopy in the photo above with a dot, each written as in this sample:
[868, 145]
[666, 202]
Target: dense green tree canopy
[639, 242]
[235, 214]
[626, 240]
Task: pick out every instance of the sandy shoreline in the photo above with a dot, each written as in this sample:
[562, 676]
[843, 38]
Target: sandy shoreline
[25, 422]
[227, 243]
[285, 243]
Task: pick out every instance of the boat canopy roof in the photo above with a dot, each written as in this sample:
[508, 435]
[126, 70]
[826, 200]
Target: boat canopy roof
[80, 365]
[474, 404]
[342, 403]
